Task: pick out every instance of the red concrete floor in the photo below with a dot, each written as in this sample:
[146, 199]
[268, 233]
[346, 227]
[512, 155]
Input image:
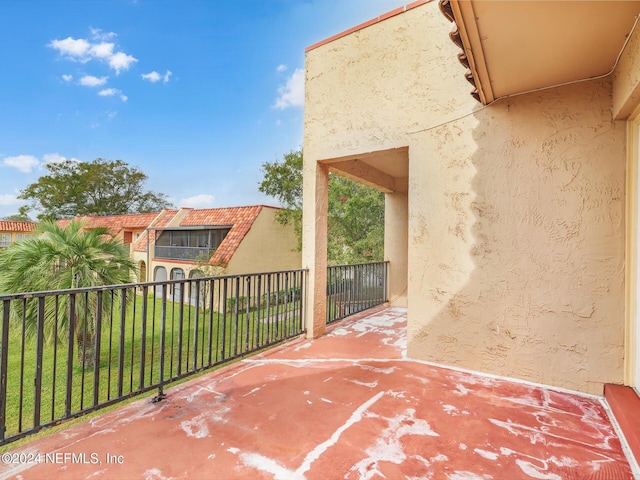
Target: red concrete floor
[346, 406]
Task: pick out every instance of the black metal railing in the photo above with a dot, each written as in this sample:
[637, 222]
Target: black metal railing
[66, 353]
[354, 288]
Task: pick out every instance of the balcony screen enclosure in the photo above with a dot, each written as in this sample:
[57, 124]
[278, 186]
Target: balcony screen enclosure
[188, 244]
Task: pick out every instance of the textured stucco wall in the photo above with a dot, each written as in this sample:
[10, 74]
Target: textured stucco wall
[268, 246]
[524, 203]
[384, 81]
[515, 211]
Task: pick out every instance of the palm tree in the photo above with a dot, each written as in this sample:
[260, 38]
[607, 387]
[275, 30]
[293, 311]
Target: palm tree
[58, 258]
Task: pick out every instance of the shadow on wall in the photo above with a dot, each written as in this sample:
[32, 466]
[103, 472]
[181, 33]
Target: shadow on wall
[532, 223]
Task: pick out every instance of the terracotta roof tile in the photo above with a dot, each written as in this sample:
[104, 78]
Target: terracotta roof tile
[161, 219]
[454, 35]
[115, 223]
[8, 226]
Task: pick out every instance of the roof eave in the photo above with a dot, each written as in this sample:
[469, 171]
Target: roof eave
[472, 56]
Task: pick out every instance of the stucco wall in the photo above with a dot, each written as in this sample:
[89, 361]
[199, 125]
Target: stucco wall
[268, 246]
[394, 77]
[524, 204]
[516, 221]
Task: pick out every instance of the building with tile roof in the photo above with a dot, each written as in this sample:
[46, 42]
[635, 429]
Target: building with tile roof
[187, 242]
[126, 228]
[11, 232]
[181, 243]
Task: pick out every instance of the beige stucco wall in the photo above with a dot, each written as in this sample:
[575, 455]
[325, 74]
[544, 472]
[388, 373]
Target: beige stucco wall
[268, 246]
[515, 212]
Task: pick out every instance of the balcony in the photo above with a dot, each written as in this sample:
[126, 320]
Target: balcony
[184, 253]
[346, 405]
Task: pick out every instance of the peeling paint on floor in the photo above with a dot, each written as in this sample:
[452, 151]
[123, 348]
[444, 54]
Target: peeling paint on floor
[348, 405]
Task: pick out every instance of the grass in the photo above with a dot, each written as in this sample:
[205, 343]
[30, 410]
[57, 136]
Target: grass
[129, 361]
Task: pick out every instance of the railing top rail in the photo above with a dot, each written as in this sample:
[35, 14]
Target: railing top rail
[14, 296]
[359, 264]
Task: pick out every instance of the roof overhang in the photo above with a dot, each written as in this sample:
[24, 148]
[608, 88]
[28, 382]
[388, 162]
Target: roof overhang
[517, 46]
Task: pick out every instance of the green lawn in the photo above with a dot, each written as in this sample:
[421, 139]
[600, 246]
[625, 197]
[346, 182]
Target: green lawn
[194, 338]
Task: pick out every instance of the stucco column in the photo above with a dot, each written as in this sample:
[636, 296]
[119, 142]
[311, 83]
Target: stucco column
[396, 241]
[314, 245]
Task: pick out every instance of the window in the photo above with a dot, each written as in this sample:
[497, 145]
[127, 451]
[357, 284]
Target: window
[194, 294]
[142, 271]
[5, 239]
[22, 236]
[177, 274]
[159, 275]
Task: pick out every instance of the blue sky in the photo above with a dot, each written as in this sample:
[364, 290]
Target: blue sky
[195, 93]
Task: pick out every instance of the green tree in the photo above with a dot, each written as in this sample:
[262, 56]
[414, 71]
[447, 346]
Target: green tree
[355, 211]
[283, 181]
[356, 222]
[59, 258]
[100, 187]
[17, 217]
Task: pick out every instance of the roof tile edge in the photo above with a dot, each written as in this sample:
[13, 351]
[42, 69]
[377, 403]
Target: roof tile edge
[373, 21]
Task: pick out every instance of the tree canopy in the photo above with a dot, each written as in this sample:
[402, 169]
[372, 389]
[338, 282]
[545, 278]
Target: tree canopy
[355, 211]
[100, 187]
[58, 258]
[17, 217]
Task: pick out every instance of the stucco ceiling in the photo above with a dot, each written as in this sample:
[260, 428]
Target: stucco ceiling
[519, 45]
[386, 170]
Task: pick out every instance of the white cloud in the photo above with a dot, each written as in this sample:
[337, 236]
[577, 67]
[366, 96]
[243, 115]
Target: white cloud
[56, 158]
[98, 34]
[91, 81]
[281, 68]
[74, 49]
[24, 163]
[198, 201]
[82, 50]
[121, 61]
[8, 199]
[102, 50]
[154, 76]
[292, 93]
[27, 163]
[67, 78]
[110, 92]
